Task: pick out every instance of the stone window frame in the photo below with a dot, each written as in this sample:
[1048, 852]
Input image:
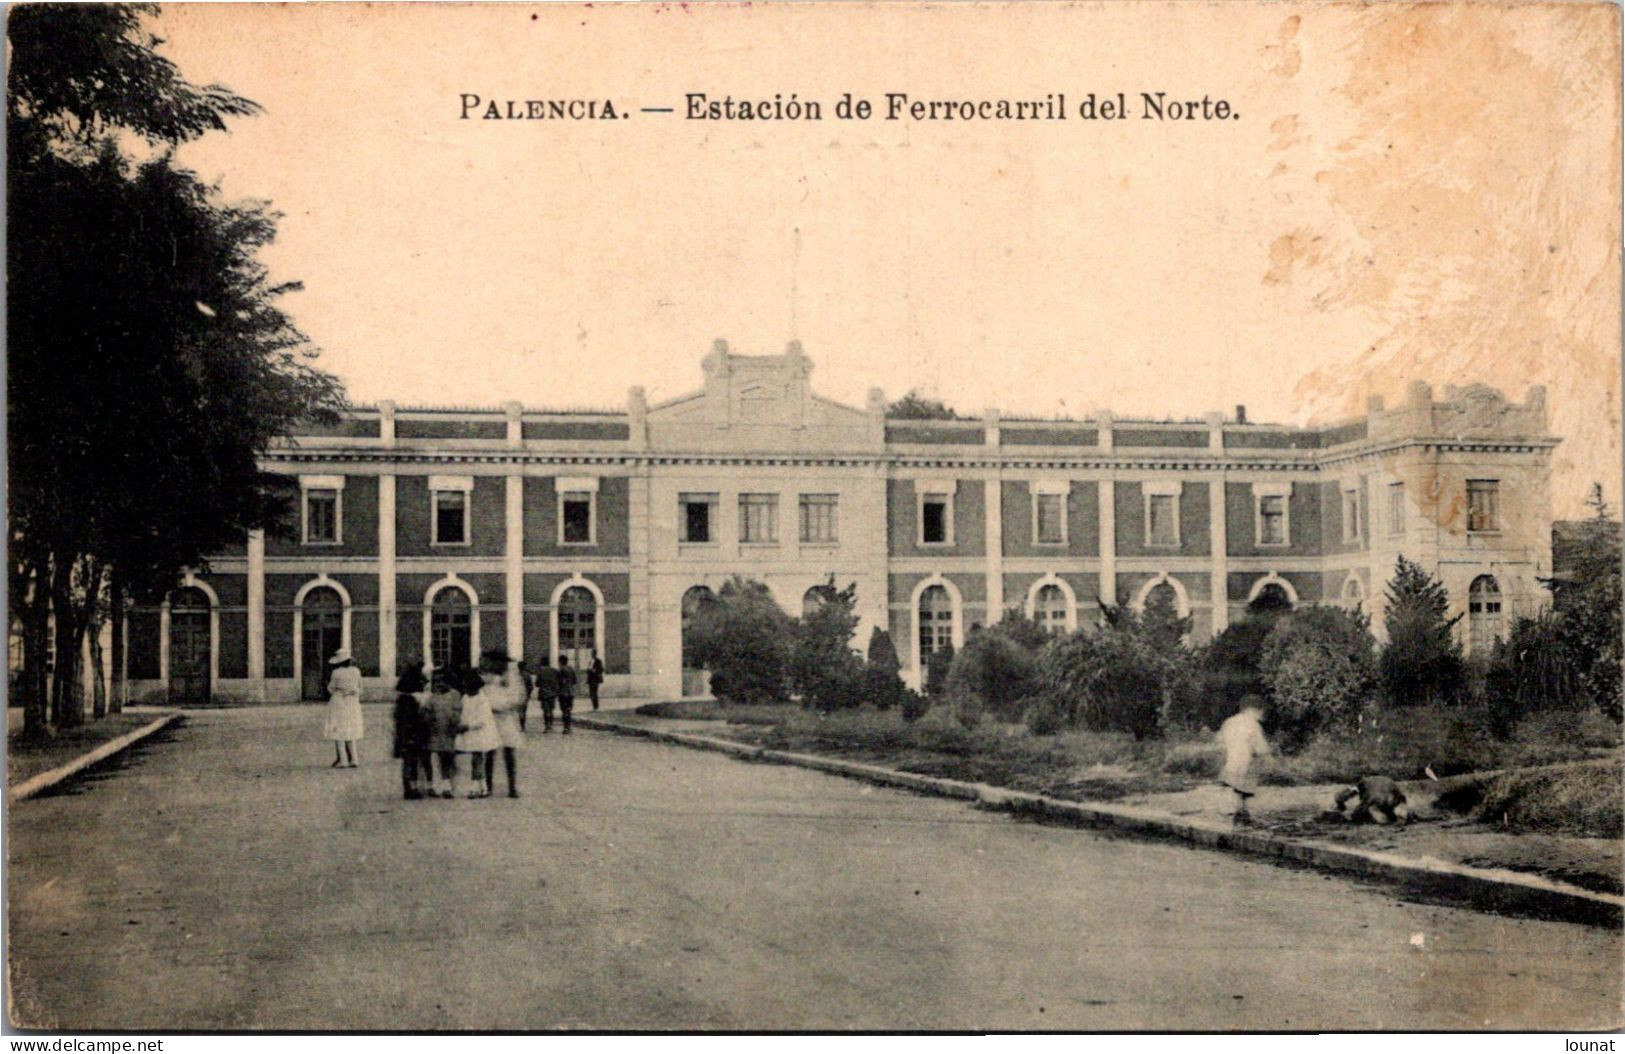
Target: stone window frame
[709, 498]
[1491, 487]
[567, 488]
[463, 485]
[1282, 491]
[1061, 489]
[309, 484]
[925, 490]
[1161, 489]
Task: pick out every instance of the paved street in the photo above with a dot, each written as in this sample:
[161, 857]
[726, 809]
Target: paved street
[227, 878]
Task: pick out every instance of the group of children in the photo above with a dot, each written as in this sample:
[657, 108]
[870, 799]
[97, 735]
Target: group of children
[459, 711]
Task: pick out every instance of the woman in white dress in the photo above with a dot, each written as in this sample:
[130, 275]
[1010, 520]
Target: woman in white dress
[343, 708]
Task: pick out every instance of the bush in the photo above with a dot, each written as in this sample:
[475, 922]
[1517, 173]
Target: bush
[1230, 668]
[997, 670]
[745, 640]
[882, 652]
[882, 688]
[914, 705]
[937, 665]
[1108, 679]
[1533, 670]
[967, 709]
[1320, 667]
[1045, 716]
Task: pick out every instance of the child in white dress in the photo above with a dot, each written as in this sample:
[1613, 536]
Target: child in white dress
[479, 738]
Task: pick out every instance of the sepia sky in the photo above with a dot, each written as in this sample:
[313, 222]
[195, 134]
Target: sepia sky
[1410, 192]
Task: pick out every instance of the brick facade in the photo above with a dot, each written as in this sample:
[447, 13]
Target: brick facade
[837, 492]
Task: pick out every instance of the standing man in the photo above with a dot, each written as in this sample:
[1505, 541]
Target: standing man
[567, 690]
[595, 677]
[547, 693]
[529, 683]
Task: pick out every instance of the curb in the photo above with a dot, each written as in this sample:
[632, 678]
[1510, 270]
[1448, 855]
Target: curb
[1496, 890]
[45, 780]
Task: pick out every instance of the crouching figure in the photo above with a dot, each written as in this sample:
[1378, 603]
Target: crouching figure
[1375, 799]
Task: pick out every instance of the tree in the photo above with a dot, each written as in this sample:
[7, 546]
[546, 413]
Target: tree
[1586, 594]
[996, 668]
[149, 363]
[745, 639]
[823, 667]
[1422, 661]
[916, 407]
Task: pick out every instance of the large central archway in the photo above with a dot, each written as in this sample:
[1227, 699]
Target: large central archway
[696, 680]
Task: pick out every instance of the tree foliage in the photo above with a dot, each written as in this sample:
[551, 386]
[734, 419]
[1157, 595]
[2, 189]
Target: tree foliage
[824, 669]
[745, 639]
[916, 407]
[148, 361]
[996, 667]
[1319, 665]
[1422, 661]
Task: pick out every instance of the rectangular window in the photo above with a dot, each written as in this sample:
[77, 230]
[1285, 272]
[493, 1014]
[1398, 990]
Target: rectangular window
[1272, 519]
[696, 513]
[759, 519]
[818, 519]
[1396, 508]
[1049, 519]
[1483, 505]
[1351, 515]
[576, 518]
[934, 519]
[1161, 519]
[450, 517]
[321, 517]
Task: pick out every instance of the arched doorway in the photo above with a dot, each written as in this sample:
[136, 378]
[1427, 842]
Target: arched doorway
[321, 634]
[1483, 615]
[578, 626]
[451, 630]
[1049, 610]
[696, 680]
[190, 646]
[936, 612]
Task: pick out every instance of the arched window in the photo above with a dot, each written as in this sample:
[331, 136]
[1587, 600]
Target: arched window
[451, 629]
[1483, 614]
[1163, 592]
[1353, 593]
[578, 626]
[936, 621]
[815, 598]
[1271, 598]
[1049, 610]
[190, 646]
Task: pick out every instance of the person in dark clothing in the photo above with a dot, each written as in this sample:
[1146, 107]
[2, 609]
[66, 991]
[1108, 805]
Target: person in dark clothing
[528, 681]
[547, 693]
[1377, 799]
[567, 690]
[412, 734]
[595, 677]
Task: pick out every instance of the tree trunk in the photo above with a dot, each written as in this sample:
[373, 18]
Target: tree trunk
[34, 684]
[98, 679]
[115, 703]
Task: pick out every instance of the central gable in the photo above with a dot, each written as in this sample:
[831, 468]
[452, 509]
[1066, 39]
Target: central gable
[760, 403]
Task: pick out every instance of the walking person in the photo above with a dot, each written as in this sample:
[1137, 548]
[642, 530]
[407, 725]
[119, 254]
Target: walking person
[505, 691]
[344, 726]
[595, 677]
[445, 714]
[567, 690]
[547, 694]
[412, 734]
[1242, 736]
[477, 736]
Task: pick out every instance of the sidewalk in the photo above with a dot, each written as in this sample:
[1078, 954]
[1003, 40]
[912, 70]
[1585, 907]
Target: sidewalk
[1439, 859]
